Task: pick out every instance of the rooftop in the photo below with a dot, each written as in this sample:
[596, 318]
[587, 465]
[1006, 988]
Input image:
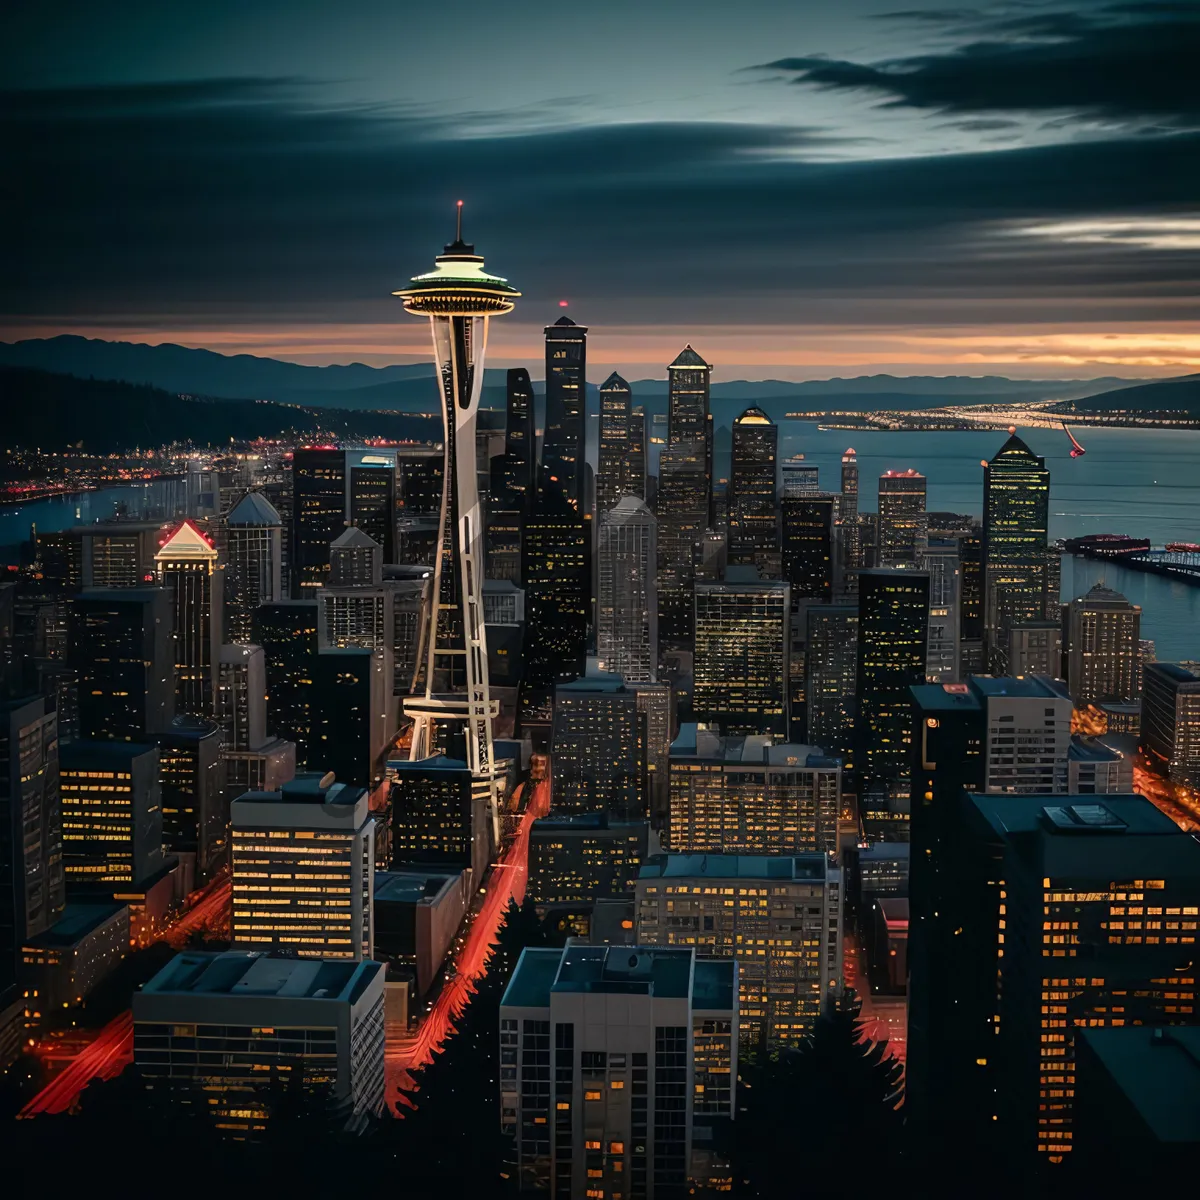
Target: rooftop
[734, 866]
[601, 681]
[687, 357]
[1085, 749]
[435, 762]
[76, 922]
[1034, 687]
[243, 973]
[584, 823]
[411, 887]
[353, 538]
[694, 741]
[186, 541]
[714, 982]
[74, 753]
[308, 787]
[1174, 672]
[614, 383]
[1159, 1072]
[253, 509]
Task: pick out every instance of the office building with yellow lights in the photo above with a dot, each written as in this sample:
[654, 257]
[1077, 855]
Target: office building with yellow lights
[743, 795]
[303, 870]
[234, 1030]
[779, 916]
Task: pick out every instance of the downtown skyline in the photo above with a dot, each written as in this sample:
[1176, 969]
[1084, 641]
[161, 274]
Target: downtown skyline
[820, 190]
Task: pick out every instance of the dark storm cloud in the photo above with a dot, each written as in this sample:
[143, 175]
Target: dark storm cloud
[254, 197]
[1129, 63]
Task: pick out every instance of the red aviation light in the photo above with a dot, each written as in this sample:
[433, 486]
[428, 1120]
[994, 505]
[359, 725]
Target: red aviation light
[562, 304]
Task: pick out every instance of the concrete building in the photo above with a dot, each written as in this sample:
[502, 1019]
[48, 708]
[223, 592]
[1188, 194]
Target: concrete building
[626, 596]
[743, 795]
[599, 738]
[1170, 722]
[779, 916]
[253, 571]
[656, 701]
[578, 859]
[1034, 648]
[741, 661]
[304, 869]
[830, 670]
[417, 916]
[615, 1064]
[263, 1021]
[1101, 655]
[939, 560]
[1094, 768]
[63, 965]
[1027, 733]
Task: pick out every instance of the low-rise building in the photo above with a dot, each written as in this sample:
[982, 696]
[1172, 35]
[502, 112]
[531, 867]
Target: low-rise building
[1094, 768]
[417, 914]
[62, 966]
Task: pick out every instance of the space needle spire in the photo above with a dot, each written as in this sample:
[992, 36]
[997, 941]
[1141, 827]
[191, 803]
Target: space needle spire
[451, 694]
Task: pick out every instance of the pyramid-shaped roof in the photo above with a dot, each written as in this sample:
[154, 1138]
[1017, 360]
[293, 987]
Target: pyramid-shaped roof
[613, 383]
[687, 357]
[253, 509]
[353, 538]
[564, 320]
[186, 541]
[1013, 447]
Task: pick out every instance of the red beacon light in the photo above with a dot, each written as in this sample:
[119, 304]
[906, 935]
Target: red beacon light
[562, 304]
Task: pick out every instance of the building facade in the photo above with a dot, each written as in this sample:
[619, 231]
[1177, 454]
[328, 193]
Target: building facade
[1101, 653]
[627, 597]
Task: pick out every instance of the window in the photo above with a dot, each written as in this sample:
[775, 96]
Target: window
[591, 1095]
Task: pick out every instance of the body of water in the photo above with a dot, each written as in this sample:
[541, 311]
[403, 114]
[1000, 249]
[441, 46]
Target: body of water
[1141, 482]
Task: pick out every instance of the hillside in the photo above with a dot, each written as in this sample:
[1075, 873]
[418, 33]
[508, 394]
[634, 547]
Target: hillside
[1165, 396]
[55, 412]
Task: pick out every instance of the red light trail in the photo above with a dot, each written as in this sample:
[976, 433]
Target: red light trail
[105, 1058]
[884, 1018]
[505, 882]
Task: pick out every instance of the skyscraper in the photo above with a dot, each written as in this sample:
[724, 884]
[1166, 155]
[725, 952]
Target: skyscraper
[254, 537]
[318, 513]
[893, 635]
[121, 650]
[940, 560]
[599, 749]
[753, 512]
[520, 476]
[626, 598]
[1170, 737]
[849, 534]
[830, 674]
[287, 633]
[352, 691]
[190, 788]
[555, 569]
[566, 407]
[371, 497]
[1100, 647]
[186, 564]
[741, 654]
[1016, 500]
[972, 660]
[613, 477]
[682, 508]
[459, 297]
[689, 418]
[639, 440]
[807, 545]
[304, 870]
[798, 478]
[903, 524]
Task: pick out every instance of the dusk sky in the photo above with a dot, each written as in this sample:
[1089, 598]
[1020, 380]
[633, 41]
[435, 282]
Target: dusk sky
[798, 187]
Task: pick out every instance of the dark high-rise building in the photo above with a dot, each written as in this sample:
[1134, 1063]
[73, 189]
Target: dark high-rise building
[639, 440]
[682, 509]
[351, 687]
[555, 571]
[112, 814]
[287, 633]
[599, 749]
[187, 569]
[32, 888]
[903, 524]
[1170, 733]
[753, 513]
[741, 654]
[579, 858]
[371, 497]
[566, 407]
[122, 652]
[318, 513]
[613, 477]
[830, 674]
[190, 784]
[435, 821]
[689, 418]
[893, 628]
[1016, 501]
[807, 545]
[117, 553]
[253, 570]
[850, 550]
[519, 447]
[970, 612]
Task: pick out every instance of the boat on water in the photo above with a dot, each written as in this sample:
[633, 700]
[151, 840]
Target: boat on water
[1077, 451]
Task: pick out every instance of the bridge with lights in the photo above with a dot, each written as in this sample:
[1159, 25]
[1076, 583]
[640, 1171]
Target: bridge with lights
[1176, 560]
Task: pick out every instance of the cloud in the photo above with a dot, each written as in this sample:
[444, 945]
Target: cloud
[1129, 63]
[252, 200]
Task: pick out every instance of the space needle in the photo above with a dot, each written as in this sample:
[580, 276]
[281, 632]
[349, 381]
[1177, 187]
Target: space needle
[458, 296]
